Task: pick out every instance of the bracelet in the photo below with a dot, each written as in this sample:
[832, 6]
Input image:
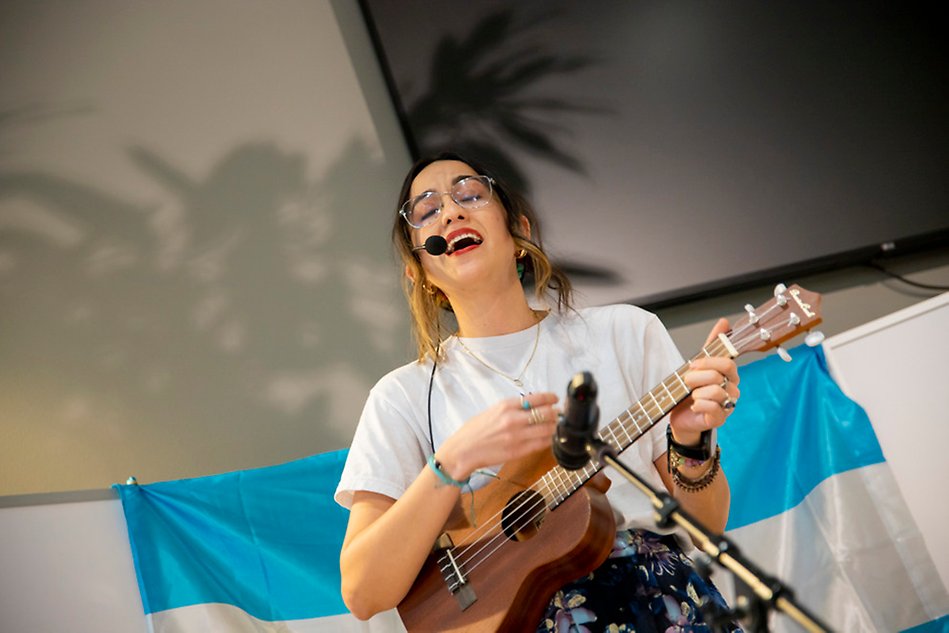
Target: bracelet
[703, 481]
[702, 452]
[443, 476]
[674, 460]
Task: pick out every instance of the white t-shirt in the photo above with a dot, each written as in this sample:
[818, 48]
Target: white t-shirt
[627, 350]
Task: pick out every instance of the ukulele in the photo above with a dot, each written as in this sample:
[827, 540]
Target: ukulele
[544, 526]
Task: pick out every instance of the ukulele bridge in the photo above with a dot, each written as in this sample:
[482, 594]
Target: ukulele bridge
[452, 574]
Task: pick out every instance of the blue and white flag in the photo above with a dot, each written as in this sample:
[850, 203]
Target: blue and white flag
[254, 550]
[813, 503]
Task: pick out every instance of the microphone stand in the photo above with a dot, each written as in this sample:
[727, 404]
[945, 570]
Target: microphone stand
[768, 591]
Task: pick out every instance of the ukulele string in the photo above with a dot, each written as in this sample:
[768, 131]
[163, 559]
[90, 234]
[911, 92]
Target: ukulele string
[525, 508]
[537, 505]
[737, 336]
[518, 519]
[532, 509]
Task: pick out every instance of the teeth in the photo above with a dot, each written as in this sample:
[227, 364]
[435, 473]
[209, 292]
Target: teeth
[462, 236]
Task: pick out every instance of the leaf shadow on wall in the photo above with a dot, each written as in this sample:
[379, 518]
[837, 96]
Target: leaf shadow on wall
[493, 93]
[237, 322]
[485, 97]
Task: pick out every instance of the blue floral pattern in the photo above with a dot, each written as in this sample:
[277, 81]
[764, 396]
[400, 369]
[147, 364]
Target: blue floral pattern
[646, 585]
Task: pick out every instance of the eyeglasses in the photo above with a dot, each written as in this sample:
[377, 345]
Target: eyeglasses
[471, 192]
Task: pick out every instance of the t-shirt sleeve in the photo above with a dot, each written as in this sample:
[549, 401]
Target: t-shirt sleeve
[385, 456]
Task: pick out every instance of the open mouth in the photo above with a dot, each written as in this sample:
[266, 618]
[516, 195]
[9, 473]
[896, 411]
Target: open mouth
[463, 241]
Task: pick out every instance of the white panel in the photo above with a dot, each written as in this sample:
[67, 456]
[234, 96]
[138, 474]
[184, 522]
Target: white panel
[895, 368]
[68, 567]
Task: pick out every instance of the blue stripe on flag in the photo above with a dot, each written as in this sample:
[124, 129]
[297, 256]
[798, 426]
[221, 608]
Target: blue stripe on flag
[940, 625]
[800, 429]
[265, 540]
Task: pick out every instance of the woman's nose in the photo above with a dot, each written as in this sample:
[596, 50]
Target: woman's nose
[451, 209]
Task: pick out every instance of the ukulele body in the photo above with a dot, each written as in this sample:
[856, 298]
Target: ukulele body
[511, 575]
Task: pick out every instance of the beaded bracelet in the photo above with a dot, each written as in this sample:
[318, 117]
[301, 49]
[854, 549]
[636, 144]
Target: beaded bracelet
[699, 483]
[443, 476]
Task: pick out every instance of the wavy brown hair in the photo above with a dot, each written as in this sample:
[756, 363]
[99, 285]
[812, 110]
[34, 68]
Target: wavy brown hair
[429, 306]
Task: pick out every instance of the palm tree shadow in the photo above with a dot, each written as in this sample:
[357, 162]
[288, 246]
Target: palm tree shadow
[483, 98]
[251, 295]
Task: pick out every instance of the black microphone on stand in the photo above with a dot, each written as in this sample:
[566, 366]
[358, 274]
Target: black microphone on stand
[434, 245]
[578, 422]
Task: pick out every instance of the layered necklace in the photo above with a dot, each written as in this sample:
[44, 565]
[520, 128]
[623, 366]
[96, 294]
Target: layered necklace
[517, 380]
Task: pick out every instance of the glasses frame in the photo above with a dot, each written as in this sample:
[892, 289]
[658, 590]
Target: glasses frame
[405, 210]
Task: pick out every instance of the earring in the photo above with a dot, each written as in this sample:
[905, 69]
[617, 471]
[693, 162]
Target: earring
[518, 264]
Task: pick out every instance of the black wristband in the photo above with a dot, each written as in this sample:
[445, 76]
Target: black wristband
[702, 452]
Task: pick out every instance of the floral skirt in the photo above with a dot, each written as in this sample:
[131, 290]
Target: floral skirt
[647, 585]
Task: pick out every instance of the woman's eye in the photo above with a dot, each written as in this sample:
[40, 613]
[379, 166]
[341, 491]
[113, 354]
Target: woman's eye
[470, 192]
[425, 209]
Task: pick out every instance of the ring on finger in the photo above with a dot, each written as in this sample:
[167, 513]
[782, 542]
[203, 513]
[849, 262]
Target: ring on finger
[728, 403]
[724, 384]
[525, 404]
[536, 417]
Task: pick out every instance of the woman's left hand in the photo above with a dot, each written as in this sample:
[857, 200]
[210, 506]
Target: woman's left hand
[714, 384]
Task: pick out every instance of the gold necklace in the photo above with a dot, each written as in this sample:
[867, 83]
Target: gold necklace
[517, 381]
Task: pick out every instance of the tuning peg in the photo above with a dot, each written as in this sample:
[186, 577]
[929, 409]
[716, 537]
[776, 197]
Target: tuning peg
[779, 297]
[814, 338]
[783, 353]
[752, 317]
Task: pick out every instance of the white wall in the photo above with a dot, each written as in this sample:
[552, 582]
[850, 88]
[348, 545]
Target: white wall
[195, 274]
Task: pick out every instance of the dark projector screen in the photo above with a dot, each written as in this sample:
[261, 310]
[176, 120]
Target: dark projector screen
[677, 149]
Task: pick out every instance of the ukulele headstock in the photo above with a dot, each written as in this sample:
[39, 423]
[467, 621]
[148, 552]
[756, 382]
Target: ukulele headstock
[789, 312]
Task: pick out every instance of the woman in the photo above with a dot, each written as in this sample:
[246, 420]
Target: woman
[487, 394]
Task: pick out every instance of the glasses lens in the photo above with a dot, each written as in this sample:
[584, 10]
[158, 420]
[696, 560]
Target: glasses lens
[472, 192]
[423, 209]
[469, 193]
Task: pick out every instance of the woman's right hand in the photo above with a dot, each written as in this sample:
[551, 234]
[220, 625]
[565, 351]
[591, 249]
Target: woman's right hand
[502, 432]
[379, 525]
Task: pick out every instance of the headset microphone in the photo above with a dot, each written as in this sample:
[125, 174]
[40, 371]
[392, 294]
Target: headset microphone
[434, 245]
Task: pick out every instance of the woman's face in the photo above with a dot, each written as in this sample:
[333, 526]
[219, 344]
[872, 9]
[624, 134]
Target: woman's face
[480, 247]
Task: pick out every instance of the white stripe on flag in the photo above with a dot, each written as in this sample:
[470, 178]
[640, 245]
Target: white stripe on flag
[226, 618]
[850, 552]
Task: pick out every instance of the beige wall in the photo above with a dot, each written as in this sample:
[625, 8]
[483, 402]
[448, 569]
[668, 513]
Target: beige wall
[194, 266]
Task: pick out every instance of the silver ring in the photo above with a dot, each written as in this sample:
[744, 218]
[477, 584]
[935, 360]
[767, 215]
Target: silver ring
[525, 404]
[728, 404]
[724, 384]
[536, 417]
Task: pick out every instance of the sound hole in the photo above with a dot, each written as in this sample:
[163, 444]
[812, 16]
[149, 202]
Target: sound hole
[523, 515]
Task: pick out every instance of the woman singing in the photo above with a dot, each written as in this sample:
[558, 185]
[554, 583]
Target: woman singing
[498, 339]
